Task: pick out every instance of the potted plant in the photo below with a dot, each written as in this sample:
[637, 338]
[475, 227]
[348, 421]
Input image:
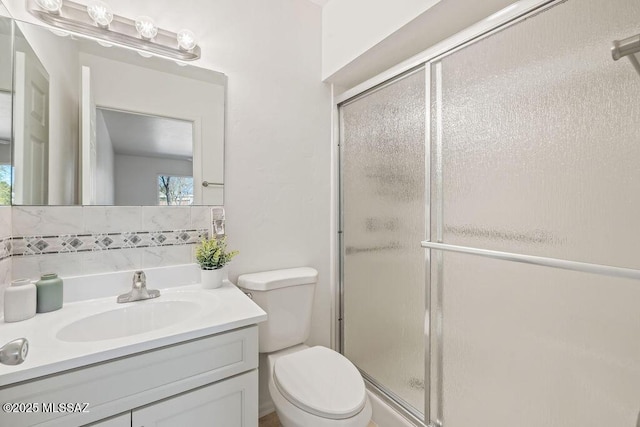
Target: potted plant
[212, 256]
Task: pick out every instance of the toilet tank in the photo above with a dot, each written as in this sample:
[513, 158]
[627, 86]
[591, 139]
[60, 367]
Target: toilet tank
[287, 297]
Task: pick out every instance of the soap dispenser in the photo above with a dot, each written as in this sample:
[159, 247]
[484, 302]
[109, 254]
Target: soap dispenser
[19, 301]
[49, 293]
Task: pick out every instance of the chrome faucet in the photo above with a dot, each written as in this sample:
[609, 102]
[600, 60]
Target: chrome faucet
[139, 289]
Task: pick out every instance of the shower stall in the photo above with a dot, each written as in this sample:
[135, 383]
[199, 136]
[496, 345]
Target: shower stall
[490, 226]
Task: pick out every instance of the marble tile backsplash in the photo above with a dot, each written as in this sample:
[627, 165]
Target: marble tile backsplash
[5, 251]
[85, 263]
[61, 220]
[81, 240]
[5, 232]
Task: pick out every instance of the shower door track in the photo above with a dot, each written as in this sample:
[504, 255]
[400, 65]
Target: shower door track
[395, 401]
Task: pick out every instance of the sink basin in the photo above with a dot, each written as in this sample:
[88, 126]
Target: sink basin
[133, 319]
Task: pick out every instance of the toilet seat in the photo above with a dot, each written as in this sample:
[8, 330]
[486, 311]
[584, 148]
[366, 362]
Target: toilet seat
[321, 382]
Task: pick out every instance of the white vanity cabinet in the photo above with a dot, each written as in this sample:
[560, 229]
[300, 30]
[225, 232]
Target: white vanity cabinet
[207, 381]
[229, 403]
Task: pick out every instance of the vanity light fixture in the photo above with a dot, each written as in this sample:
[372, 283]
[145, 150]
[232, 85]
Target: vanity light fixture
[100, 13]
[60, 33]
[186, 40]
[51, 6]
[96, 20]
[146, 27]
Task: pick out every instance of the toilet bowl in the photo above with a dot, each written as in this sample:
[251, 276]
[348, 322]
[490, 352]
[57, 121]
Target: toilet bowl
[317, 387]
[309, 386]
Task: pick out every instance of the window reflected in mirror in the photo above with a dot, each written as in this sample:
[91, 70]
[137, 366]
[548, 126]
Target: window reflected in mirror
[175, 190]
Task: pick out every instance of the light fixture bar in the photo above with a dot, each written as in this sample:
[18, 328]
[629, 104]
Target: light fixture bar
[74, 17]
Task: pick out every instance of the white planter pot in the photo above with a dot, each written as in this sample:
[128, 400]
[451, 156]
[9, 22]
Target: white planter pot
[212, 279]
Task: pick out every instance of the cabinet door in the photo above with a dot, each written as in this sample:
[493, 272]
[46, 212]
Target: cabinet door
[123, 420]
[228, 403]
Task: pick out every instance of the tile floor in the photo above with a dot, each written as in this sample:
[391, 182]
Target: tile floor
[272, 420]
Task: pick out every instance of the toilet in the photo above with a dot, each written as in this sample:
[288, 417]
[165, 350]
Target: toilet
[310, 386]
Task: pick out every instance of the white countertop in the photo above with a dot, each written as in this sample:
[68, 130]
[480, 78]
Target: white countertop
[220, 310]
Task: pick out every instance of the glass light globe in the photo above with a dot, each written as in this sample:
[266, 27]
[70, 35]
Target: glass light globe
[146, 27]
[52, 6]
[100, 13]
[59, 33]
[186, 40]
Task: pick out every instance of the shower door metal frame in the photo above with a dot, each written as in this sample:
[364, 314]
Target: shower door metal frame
[433, 405]
[386, 394]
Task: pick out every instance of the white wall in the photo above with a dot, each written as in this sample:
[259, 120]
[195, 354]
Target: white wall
[5, 69]
[277, 151]
[61, 62]
[5, 50]
[136, 178]
[5, 154]
[417, 33]
[351, 27]
[105, 163]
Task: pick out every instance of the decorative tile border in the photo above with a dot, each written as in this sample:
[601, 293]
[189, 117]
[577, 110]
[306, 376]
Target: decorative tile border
[6, 246]
[76, 243]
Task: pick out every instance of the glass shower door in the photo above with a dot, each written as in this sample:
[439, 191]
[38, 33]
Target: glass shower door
[383, 220]
[536, 143]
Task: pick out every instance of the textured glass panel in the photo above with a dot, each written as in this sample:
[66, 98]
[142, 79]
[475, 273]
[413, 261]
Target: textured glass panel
[531, 346]
[383, 139]
[540, 134]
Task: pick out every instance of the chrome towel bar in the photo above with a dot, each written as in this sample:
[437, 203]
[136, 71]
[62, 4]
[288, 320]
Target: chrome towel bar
[627, 47]
[604, 270]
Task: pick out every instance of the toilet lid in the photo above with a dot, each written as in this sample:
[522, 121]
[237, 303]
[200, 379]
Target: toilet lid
[320, 381]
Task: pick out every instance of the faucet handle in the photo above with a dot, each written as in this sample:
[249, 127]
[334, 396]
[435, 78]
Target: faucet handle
[14, 352]
[139, 277]
[138, 290]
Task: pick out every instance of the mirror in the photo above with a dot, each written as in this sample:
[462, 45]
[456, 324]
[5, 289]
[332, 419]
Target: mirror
[101, 125]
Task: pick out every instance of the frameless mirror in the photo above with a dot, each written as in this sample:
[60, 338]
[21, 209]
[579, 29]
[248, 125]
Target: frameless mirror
[95, 124]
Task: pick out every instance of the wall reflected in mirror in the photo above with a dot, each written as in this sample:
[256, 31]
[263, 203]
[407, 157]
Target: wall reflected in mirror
[143, 159]
[98, 125]
[5, 110]
[5, 147]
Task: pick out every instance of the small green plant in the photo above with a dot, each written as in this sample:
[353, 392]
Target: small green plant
[212, 254]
